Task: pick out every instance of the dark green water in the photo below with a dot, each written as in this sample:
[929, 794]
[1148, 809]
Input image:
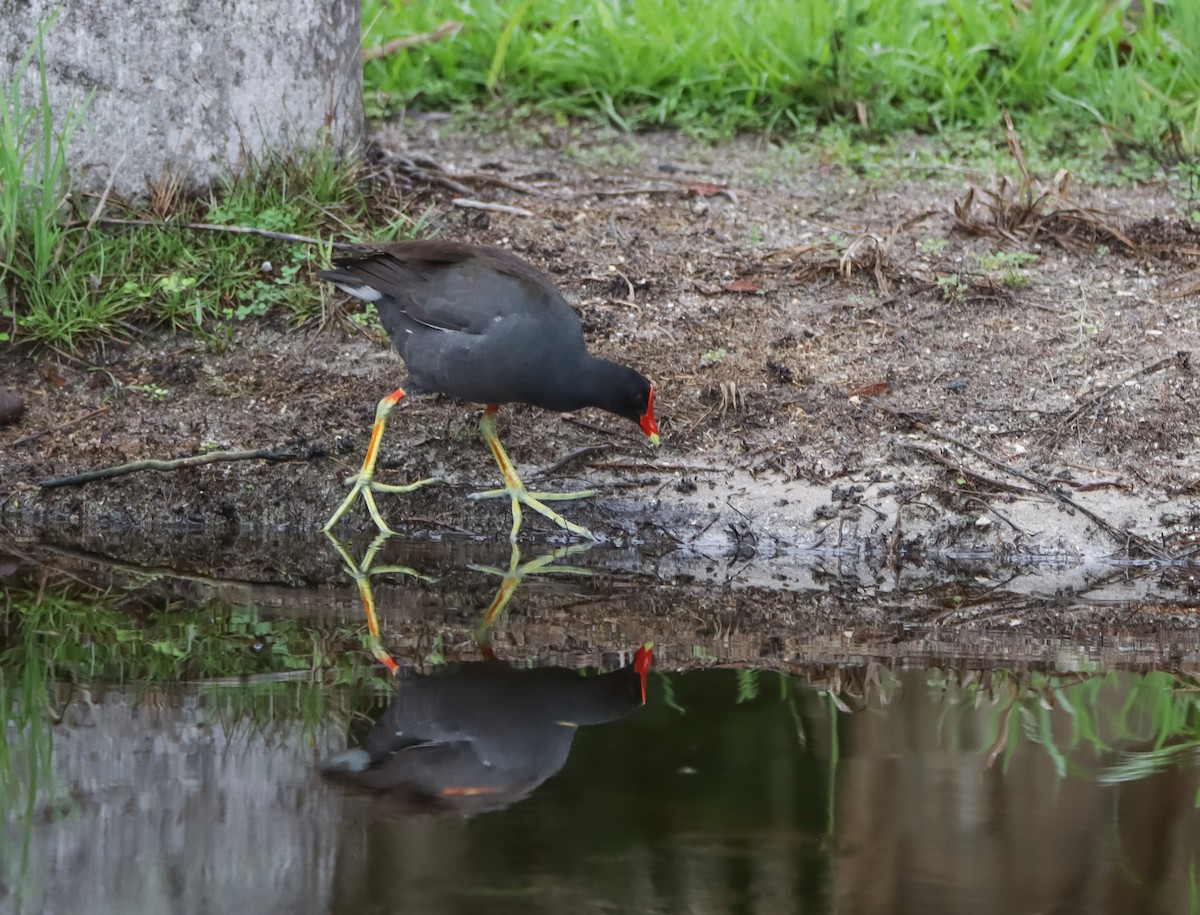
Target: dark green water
[729, 792]
[867, 783]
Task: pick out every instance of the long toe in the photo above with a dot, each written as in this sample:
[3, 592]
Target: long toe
[563, 496]
[521, 492]
[365, 488]
[345, 506]
[405, 487]
[534, 501]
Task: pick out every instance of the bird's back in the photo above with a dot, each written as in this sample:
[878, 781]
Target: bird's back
[471, 321]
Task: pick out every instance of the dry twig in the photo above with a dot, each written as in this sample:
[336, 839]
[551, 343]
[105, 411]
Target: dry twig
[957, 467]
[655, 467]
[1125, 538]
[445, 30]
[585, 451]
[394, 166]
[211, 227]
[33, 436]
[473, 204]
[1181, 359]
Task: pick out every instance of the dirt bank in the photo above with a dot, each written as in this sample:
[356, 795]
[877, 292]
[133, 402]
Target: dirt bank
[844, 364]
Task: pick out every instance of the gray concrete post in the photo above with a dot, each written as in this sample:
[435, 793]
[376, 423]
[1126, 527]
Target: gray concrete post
[190, 89]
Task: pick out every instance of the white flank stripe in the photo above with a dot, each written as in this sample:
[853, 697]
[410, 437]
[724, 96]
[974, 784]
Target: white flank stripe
[366, 293]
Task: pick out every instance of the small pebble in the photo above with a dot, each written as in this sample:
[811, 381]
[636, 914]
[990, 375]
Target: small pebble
[12, 405]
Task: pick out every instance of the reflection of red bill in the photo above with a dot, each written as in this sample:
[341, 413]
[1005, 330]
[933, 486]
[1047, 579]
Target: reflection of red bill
[468, 792]
[641, 664]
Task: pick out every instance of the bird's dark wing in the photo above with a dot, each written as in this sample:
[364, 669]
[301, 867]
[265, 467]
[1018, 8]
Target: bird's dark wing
[413, 289]
[450, 286]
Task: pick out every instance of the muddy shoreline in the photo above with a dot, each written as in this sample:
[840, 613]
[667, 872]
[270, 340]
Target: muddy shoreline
[922, 408]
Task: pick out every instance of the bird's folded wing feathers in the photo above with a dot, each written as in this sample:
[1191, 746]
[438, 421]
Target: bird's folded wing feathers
[444, 314]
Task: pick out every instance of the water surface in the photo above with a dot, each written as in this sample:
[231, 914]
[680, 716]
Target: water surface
[169, 724]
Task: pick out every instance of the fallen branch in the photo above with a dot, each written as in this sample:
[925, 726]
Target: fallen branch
[196, 460]
[586, 423]
[1182, 291]
[445, 30]
[627, 191]
[654, 467]
[957, 467]
[392, 165]
[575, 455]
[497, 181]
[415, 167]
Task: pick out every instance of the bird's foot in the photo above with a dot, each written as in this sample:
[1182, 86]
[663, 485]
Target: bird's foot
[366, 487]
[361, 571]
[536, 501]
[516, 573]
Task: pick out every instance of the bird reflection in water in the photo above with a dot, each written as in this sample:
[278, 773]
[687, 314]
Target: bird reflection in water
[479, 736]
[361, 571]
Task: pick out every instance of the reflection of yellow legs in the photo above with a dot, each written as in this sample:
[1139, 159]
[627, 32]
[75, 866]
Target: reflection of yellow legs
[361, 572]
[514, 575]
[364, 480]
[515, 489]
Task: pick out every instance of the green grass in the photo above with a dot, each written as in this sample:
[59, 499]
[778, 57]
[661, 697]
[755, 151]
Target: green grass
[82, 282]
[1082, 78]
[33, 186]
[79, 637]
[1146, 722]
[64, 278]
[729, 65]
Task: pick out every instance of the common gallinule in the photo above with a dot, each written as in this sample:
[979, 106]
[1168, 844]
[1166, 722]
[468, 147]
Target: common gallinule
[483, 325]
[480, 736]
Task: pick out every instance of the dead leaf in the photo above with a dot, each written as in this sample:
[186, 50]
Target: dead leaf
[52, 375]
[871, 390]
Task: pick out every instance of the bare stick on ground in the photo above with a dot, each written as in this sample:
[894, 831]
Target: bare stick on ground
[1182, 359]
[388, 48]
[472, 204]
[34, 436]
[211, 227]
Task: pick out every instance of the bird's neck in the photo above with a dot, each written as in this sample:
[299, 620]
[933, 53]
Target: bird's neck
[588, 382]
[595, 699]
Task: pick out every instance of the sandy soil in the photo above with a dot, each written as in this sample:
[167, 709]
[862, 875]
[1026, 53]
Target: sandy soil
[844, 367]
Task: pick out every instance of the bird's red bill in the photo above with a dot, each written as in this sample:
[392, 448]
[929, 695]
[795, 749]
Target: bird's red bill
[641, 664]
[647, 422]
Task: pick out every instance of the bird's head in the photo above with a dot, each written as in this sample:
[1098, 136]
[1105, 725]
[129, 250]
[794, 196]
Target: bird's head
[627, 392]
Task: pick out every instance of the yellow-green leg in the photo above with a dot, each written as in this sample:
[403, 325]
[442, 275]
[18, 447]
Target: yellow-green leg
[361, 572]
[364, 480]
[515, 490]
[513, 576]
